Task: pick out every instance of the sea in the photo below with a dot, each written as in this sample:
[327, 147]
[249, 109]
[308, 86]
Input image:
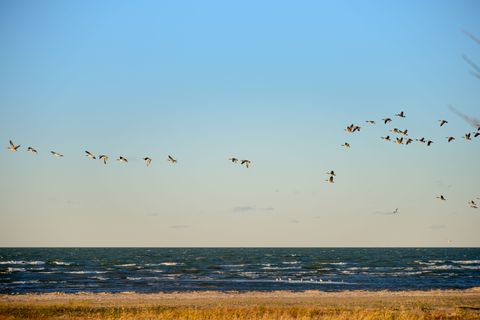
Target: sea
[149, 270]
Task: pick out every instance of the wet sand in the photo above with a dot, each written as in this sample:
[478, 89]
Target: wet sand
[436, 304]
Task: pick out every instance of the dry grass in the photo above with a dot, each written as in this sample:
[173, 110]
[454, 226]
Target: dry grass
[252, 305]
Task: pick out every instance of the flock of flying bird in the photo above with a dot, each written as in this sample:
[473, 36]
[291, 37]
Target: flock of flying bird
[350, 129]
[399, 140]
[14, 148]
[404, 138]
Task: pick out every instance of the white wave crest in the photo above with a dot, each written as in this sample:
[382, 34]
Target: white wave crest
[62, 263]
[21, 262]
[86, 272]
[15, 269]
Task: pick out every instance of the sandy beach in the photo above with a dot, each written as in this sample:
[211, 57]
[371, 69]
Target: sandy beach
[437, 304]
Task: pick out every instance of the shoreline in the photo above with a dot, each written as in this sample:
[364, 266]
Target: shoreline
[311, 304]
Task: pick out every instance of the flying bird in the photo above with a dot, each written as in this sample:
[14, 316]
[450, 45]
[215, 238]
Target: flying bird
[450, 139]
[442, 122]
[30, 149]
[386, 138]
[90, 155]
[346, 145]
[356, 128]
[147, 160]
[13, 147]
[401, 114]
[56, 154]
[476, 134]
[399, 141]
[330, 179]
[422, 140]
[395, 211]
[247, 163]
[404, 132]
[104, 158]
[386, 120]
[171, 159]
[409, 141]
[395, 130]
[350, 128]
[233, 159]
[472, 204]
[122, 159]
[441, 197]
[370, 122]
[467, 136]
[332, 173]
[429, 142]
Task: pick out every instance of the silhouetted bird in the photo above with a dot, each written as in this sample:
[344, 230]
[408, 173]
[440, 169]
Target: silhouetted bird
[395, 130]
[401, 114]
[13, 147]
[56, 154]
[147, 161]
[122, 159]
[30, 149]
[90, 155]
[104, 158]
[386, 120]
[247, 163]
[350, 128]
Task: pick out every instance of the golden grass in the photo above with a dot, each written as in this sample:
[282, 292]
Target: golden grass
[249, 306]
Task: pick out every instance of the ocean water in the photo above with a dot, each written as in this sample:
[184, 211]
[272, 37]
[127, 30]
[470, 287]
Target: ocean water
[25, 270]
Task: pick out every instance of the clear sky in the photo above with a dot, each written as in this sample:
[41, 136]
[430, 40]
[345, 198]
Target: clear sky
[275, 82]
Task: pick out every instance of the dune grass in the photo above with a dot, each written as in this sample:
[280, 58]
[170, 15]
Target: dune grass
[243, 306]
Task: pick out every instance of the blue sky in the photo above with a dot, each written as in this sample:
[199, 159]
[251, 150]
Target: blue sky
[275, 82]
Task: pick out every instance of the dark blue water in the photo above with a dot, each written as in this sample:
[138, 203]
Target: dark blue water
[186, 269]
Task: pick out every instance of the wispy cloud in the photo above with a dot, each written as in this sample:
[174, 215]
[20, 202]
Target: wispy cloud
[473, 121]
[471, 36]
[71, 202]
[437, 226]
[241, 209]
[180, 226]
